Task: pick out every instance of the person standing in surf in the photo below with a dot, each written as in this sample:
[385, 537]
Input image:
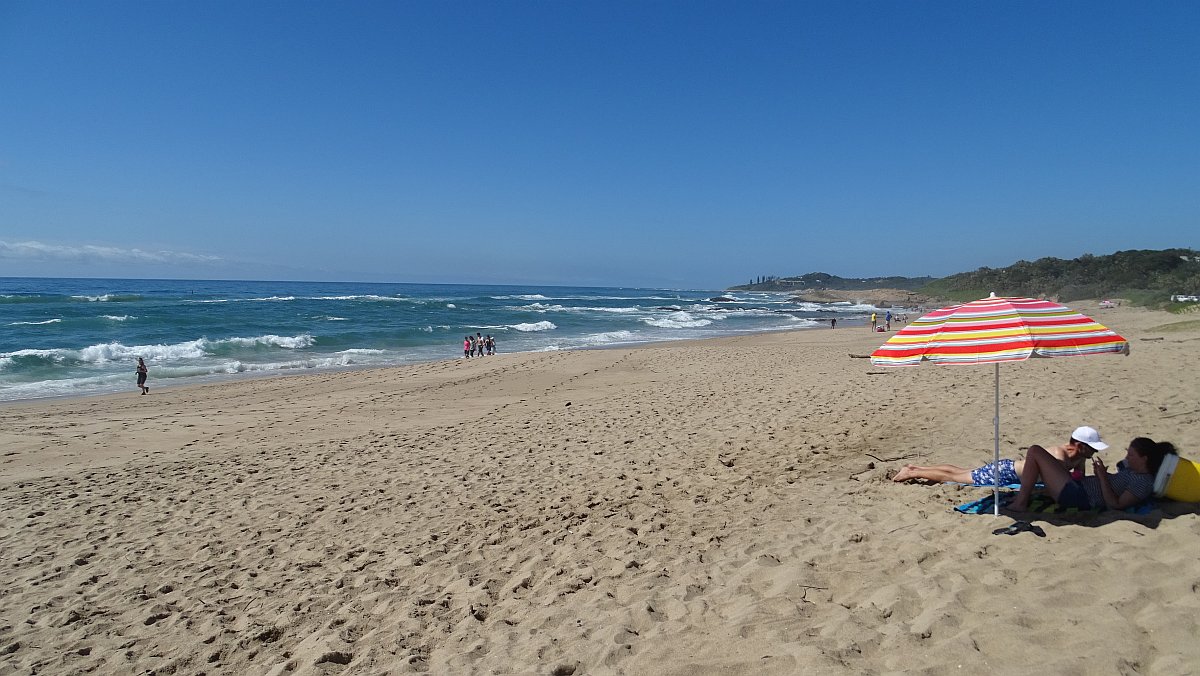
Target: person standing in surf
[142, 372]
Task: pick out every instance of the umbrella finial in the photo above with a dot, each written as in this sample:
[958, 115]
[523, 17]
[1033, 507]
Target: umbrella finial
[992, 294]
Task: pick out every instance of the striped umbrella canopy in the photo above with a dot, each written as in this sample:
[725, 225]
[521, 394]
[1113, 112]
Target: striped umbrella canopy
[994, 330]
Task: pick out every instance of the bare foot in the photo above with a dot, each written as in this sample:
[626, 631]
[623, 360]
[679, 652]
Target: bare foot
[904, 474]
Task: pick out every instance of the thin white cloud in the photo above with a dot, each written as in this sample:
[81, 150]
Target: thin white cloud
[40, 251]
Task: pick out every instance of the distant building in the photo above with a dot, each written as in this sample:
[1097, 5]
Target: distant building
[1185, 299]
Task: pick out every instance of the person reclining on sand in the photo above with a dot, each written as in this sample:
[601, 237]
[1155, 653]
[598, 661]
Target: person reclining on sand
[1133, 482]
[1084, 443]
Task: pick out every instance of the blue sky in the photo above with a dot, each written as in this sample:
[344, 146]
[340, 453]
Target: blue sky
[650, 143]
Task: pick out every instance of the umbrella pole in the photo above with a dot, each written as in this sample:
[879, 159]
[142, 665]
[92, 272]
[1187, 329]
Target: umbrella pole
[996, 436]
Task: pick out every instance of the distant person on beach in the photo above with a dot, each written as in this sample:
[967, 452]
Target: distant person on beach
[491, 344]
[874, 322]
[142, 372]
[833, 323]
[466, 347]
[1132, 483]
[1083, 444]
[888, 320]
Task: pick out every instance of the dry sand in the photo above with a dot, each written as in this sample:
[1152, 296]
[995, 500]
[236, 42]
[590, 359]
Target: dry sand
[716, 507]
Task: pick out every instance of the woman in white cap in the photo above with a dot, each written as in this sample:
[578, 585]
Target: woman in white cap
[1132, 483]
[1084, 442]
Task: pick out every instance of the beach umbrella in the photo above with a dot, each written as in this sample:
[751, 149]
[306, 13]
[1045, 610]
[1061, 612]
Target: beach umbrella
[994, 330]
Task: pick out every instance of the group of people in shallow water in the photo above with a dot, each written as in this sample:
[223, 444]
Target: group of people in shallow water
[478, 346]
[1062, 471]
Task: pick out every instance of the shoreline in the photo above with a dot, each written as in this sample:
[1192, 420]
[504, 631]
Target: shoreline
[708, 506]
[218, 378]
[231, 329]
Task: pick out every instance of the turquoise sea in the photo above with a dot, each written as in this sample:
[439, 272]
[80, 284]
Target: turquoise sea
[83, 336]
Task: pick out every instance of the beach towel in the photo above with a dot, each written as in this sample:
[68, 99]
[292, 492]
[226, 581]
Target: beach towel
[1003, 487]
[1043, 505]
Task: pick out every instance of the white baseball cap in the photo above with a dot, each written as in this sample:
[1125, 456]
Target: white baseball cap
[1089, 436]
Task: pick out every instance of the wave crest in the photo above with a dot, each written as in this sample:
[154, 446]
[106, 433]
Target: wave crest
[109, 298]
[535, 326]
[678, 320]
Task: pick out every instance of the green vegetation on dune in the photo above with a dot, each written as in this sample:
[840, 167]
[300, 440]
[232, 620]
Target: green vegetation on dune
[824, 280]
[1142, 277]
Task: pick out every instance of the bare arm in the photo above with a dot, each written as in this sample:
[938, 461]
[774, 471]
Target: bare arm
[1111, 499]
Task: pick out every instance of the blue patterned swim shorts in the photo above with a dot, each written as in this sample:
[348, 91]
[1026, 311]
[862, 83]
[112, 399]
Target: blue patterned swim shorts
[987, 475]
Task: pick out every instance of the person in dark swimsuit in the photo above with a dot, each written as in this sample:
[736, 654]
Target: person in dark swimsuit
[142, 372]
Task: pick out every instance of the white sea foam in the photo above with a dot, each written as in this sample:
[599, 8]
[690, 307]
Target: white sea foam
[334, 319]
[368, 296]
[362, 350]
[49, 354]
[677, 320]
[326, 362]
[543, 308]
[48, 321]
[609, 337]
[723, 313]
[108, 352]
[614, 310]
[62, 387]
[638, 298]
[95, 299]
[118, 318]
[288, 342]
[451, 305]
[192, 349]
[273, 298]
[539, 307]
[530, 296]
[536, 326]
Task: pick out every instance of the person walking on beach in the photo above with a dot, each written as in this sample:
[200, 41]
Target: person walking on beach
[874, 322]
[466, 347]
[888, 320]
[142, 372]
[833, 323]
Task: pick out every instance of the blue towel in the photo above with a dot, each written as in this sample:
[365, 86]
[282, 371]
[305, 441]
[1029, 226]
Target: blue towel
[1003, 487]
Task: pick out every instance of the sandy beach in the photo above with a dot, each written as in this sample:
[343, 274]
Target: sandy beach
[711, 507]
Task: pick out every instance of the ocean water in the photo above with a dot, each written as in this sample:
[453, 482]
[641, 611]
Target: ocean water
[62, 337]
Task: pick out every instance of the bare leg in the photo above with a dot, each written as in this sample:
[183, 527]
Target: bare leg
[934, 473]
[1039, 464]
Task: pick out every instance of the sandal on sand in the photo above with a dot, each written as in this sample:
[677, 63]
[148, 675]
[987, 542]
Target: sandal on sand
[1020, 527]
